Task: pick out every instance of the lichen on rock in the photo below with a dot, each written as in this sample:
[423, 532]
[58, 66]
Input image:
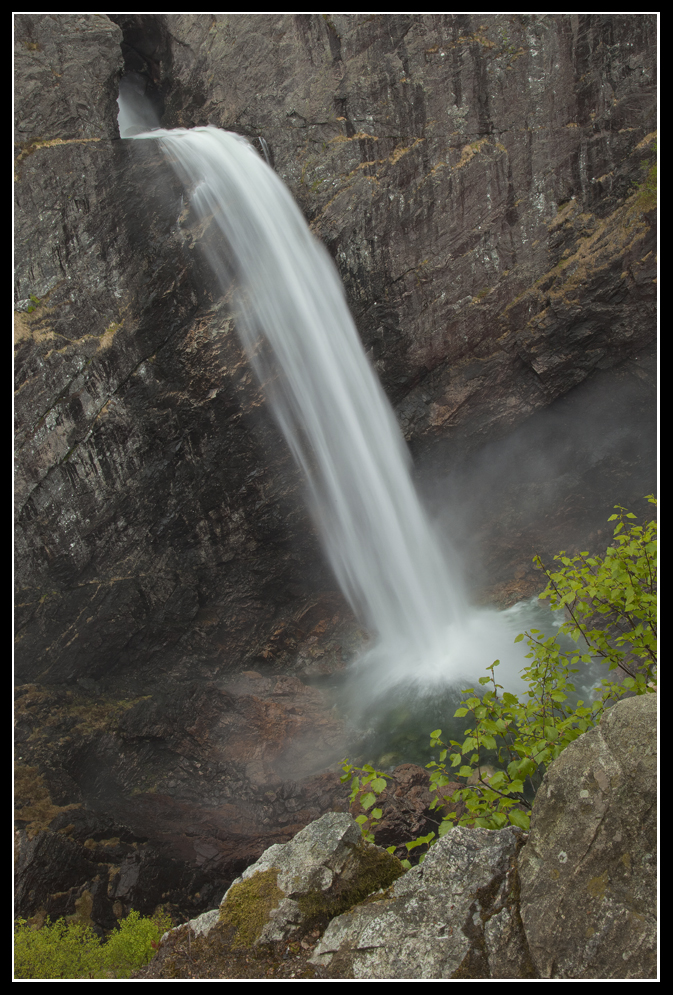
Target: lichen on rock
[454, 916]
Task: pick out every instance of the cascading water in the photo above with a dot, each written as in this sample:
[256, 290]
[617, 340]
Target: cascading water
[301, 340]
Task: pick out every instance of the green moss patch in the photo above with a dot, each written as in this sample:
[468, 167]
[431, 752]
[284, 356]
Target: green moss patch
[248, 904]
[376, 869]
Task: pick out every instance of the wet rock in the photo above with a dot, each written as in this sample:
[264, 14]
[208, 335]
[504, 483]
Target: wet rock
[406, 804]
[588, 872]
[200, 781]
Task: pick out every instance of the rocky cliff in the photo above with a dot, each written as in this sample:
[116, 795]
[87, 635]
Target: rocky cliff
[473, 179]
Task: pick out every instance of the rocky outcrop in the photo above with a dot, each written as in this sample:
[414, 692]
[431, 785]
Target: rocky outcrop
[575, 898]
[325, 868]
[493, 254]
[589, 870]
[454, 916]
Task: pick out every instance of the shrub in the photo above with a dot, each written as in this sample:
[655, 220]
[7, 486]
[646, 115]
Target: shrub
[610, 601]
[611, 605]
[69, 950]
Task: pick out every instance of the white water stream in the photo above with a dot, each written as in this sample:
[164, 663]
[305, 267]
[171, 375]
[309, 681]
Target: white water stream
[302, 343]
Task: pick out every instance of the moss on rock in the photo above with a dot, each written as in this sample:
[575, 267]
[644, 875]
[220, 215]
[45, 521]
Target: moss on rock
[247, 905]
[373, 869]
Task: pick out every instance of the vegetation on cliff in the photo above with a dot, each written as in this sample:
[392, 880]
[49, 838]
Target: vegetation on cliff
[610, 605]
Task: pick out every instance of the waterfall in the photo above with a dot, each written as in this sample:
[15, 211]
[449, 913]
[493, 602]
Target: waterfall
[300, 339]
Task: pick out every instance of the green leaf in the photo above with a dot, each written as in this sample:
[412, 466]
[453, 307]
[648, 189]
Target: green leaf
[527, 767]
[519, 818]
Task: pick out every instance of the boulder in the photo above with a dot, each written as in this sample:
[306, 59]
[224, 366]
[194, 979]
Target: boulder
[454, 916]
[589, 870]
[326, 868]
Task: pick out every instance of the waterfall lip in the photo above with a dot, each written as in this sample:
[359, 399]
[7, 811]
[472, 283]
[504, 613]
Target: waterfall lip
[265, 149]
[136, 116]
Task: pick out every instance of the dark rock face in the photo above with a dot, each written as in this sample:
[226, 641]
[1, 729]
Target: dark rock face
[67, 72]
[407, 813]
[199, 779]
[472, 178]
[468, 175]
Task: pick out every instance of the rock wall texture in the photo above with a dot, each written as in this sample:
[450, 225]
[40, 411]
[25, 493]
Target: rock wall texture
[473, 179]
[589, 870]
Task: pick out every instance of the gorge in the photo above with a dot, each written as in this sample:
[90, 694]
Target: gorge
[174, 604]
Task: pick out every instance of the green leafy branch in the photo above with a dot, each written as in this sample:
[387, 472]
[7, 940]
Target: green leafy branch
[367, 784]
[611, 602]
[619, 590]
